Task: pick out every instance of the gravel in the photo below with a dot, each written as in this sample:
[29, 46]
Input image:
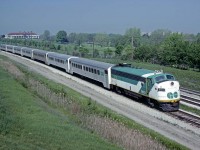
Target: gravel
[170, 127]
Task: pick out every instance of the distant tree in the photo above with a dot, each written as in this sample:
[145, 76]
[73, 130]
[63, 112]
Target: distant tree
[129, 53]
[52, 47]
[145, 53]
[189, 37]
[2, 36]
[72, 37]
[198, 38]
[83, 51]
[116, 39]
[61, 37]
[108, 53]
[102, 39]
[194, 57]
[175, 51]
[133, 36]
[46, 35]
[58, 47]
[95, 53]
[158, 36]
[119, 49]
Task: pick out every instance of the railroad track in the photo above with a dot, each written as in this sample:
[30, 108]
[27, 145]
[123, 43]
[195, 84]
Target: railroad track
[193, 92]
[190, 100]
[190, 97]
[190, 118]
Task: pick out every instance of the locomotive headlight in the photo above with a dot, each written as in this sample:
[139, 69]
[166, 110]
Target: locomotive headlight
[170, 95]
[175, 94]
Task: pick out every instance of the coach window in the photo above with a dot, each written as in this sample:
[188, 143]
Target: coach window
[95, 71]
[86, 68]
[92, 70]
[106, 71]
[98, 72]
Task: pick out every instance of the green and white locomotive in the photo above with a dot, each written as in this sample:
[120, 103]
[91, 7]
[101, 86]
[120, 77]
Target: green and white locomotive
[158, 89]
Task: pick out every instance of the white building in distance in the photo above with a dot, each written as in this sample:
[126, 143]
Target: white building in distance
[22, 35]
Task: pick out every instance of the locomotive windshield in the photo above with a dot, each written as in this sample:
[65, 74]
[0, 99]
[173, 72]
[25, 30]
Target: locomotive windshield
[170, 77]
[164, 77]
[160, 78]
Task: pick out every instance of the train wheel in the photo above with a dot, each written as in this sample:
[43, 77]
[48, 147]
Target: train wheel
[118, 90]
[150, 103]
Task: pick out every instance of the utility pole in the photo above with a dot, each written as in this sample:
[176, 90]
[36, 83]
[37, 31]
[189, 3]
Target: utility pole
[93, 48]
[132, 46]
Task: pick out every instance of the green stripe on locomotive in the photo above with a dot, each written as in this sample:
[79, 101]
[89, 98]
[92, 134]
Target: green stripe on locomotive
[133, 76]
[134, 82]
[133, 71]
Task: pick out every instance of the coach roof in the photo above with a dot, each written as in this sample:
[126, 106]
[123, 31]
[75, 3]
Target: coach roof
[26, 48]
[61, 56]
[40, 51]
[92, 63]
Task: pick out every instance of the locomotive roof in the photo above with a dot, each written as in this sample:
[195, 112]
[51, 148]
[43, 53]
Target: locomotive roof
[135, 71]
[57, 55]
[92, 63]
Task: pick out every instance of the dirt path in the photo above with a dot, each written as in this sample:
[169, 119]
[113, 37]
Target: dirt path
[176, 130]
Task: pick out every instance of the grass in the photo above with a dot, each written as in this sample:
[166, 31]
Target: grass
[26, 122]
[192, 110]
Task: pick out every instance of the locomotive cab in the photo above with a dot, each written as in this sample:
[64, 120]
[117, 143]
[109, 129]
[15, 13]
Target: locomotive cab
[164, 89]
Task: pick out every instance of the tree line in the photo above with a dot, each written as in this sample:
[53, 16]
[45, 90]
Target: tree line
[161, 46]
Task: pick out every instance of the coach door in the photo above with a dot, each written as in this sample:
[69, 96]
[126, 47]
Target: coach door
[70, 67]
[106, 78]
[149, 85]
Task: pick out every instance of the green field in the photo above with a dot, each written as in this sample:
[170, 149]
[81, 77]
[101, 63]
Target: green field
[26, 122]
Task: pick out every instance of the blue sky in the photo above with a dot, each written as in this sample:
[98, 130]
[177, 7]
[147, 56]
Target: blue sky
[99, 16]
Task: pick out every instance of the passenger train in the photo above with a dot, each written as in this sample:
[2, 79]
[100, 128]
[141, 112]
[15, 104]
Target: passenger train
[157, 89]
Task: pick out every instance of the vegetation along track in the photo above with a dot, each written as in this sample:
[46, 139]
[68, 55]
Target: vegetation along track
[192, 119]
